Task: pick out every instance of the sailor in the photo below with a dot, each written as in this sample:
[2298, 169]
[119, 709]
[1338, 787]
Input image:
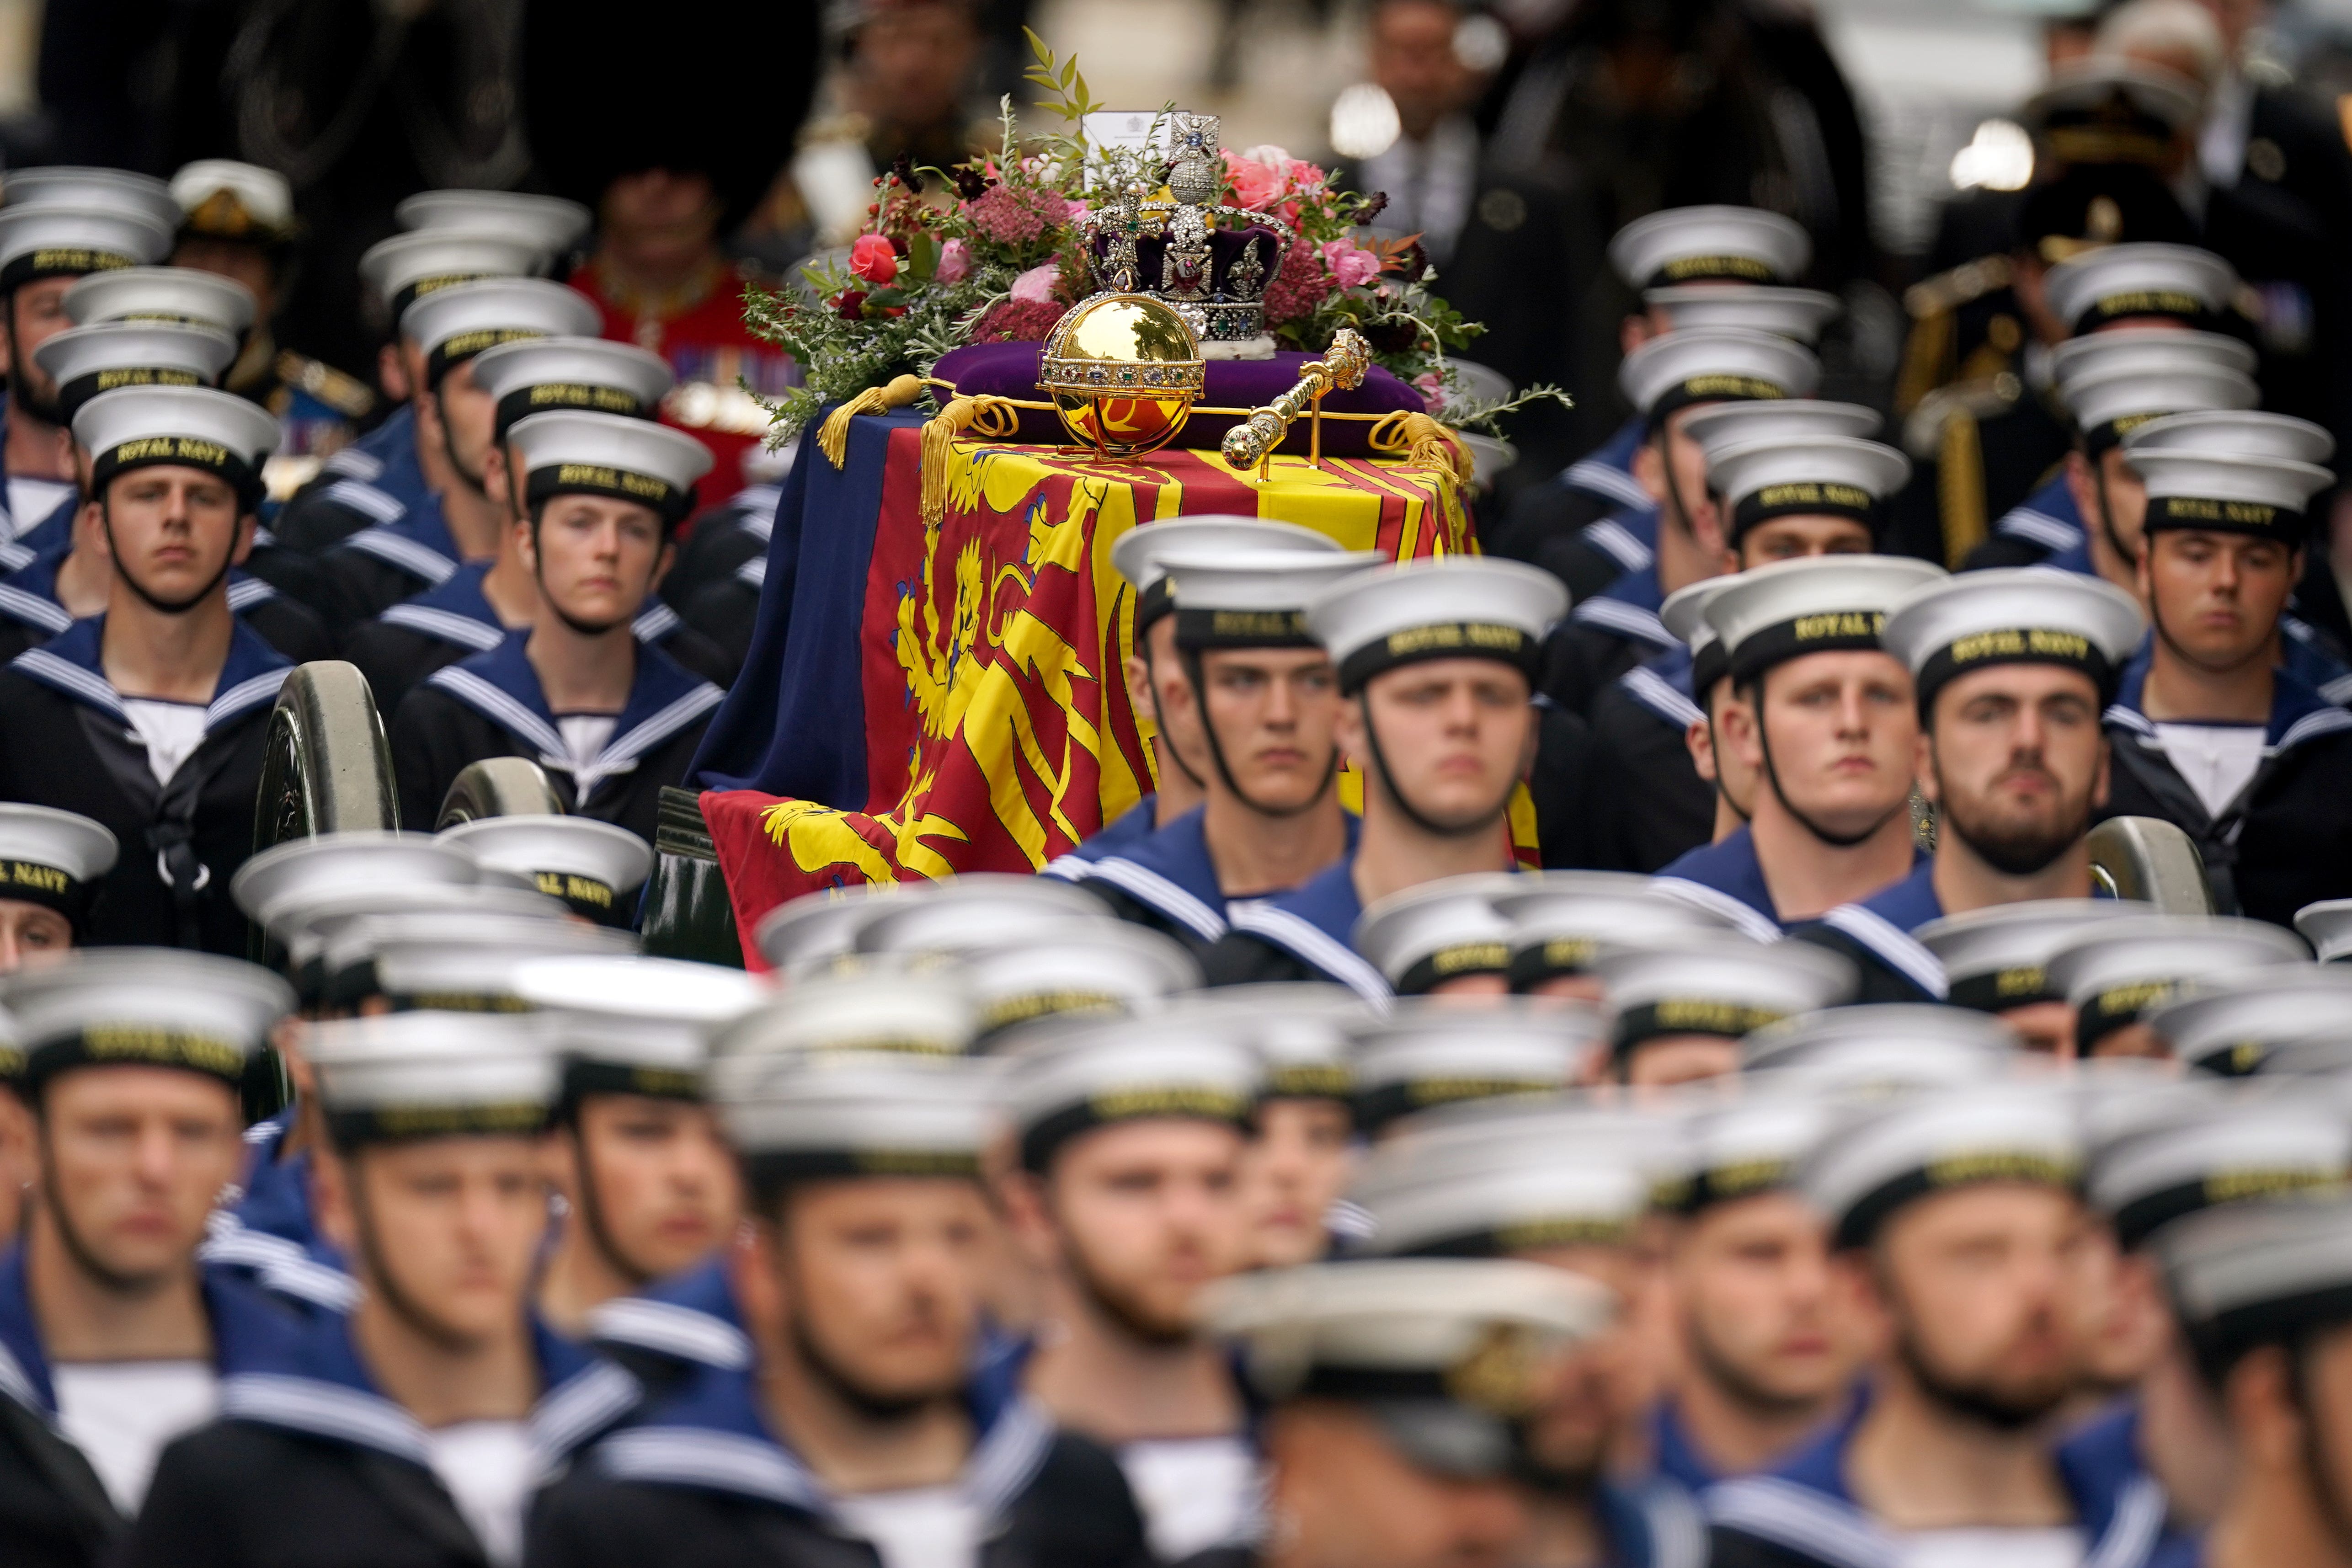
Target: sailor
[114, 1336]
[647, 1180]
[1426, 1055]
[1668, 379]
[45, 243]
[433, 960]
[151, 717]
[611, 718]
[404, 1431]
[2207, 732]
[1251, 680]
[1559, 923]
[474, 608]
[51, 863]
[1180, 760]
[1996, 960]
[1399, 1393]
[1019, 973]
[1304, 1151]
[596, 869]
[2011, 665]
[1767, 1354]
[837, 1356]
[1919, 1191]
[1678, 1007]
[1441, 939]
[238, 223]
[1127, 1199]
[2117, 973]
[1825, 717]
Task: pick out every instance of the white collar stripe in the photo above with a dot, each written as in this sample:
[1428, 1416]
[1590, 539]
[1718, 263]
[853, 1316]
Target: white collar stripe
[326, 1410]
[1304, 940]
[1608, 479]
[1652, 692]
[1616, 540]
[33, 610]
[1150, 887]
[447, 624]
[250, 693]
[43, 664]
[1790, 1515]
[499, 706]
[357, 495]
[673, 1330]
[416, 559]
[1722, 903]
[1899, 949]
[1629, 620]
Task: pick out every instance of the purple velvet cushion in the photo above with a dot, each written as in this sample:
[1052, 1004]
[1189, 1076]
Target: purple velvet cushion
[1010, 370]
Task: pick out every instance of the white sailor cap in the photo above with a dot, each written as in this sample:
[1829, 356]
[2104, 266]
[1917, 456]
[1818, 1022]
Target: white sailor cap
[1998, 958]
[817, 930]
[453, 324]
[1798, 314]
[308, 926]
[1710, 983]
[1459, 606]
[1821, 476]
[568, 452]
[1458, 1200]
[544, 223]
[1301, 1030]
[1818, 604]
[2246, 433]
[1437, 932]
[2249, 1275]
[177, 294]
[403, 1076]
[1077, 1076]
[2126, 282]
[839, 1115]
[927, 1012]
[1710, 245]
[2118, 971]
[628, 1024]
[408, 267]
[536, 374]
[140, 197]
[1499, 1127]
[976, 909]
[1559, 921]
[1429, 1053]
[1723, 426]
[278, 886]
[2023, 615]
[1067, 967]
[2226, 1022]
[2327, 926]
[1139, 554]
[1714, 364]
[593, 867]
[1742, 1148]
[1684, 616]
[2105, 109]
[2204, 1150]
[1256, 599]
[181, 426]
[70, 242]
[451, 963]
[1972, 1044]
[222, 198]
[2124, 350]
[53, 859]
[2212, 492]
[143, 1006]
[2109, 406]
[1879, 1156]
[86, 361]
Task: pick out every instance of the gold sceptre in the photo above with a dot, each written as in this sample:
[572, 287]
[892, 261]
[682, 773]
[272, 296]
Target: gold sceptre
[1342, 367]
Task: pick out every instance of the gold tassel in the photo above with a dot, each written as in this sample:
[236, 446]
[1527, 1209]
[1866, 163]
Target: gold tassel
[1429, 445]
[833, 436]
[995, 418]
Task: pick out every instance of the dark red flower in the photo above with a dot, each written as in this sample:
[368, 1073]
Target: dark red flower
[852, 305]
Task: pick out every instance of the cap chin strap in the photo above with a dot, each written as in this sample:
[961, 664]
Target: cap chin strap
[1773, 775]
[1151, 684]
[1715, 745]
[2107, 513]
[146, 595]
[1676, 511]
[477, 483]
[1389, 786]
[1192, 658]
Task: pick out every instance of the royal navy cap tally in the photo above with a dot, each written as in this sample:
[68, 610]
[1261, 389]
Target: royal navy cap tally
[43, 241]
[1901, 1029]
[140, 197]
[1560, 920]
[2105, 110]
[2248, 1275]
[537, 374]
[1821, 476]
[927, 1013]
[2110, 406]
[2118, 971]
[1742, 1149]
[105, 356]
[175, 294]
[1253, 600]
[545, 223]
[2327, 926]
[1714, 365]
[830, 1117]
[1820, 604]
[1426, 1054]
[408, 267]
[279, 884]
[1458, 1202]
[2201, 1152]
[2263, 498]
[1684, 615]
[180, 427]
[2021, 614]
[1301, 1031]
[1723, 985]
[1073, 1079]
[53, 859]
[2129, 351]
[1462, 607]
[1998, 958]
[1710, 245]
[1798, 314]
[451, 963]
[1437, 932]
[2244, 433]
[568, 452]
[406, 1076]
[1449, 1356]
[1721, 426]
[593, 867]
[144, 1007]
[1140, 552]
[2226, 1024]
[1879, 1156]
[1050, 969]
[222, 198]
[452, 325]
[817, 931]
[626, 1025]
[2125, 282]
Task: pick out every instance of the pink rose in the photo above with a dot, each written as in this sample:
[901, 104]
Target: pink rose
[955, 263]
[1037, 286]
[874, 259]
[1255, 186]
[1350, 265]
[1432, 389]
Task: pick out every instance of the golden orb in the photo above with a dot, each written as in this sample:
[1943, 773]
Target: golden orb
[1124, 370]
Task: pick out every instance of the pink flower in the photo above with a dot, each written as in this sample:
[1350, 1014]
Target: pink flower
[1300, 285]
[1257, 185]
[1017, 322]
[1016, 215]
[874, 259]
[1037, 286]
[1432, 389]
[955, 263]
[1351, 265]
